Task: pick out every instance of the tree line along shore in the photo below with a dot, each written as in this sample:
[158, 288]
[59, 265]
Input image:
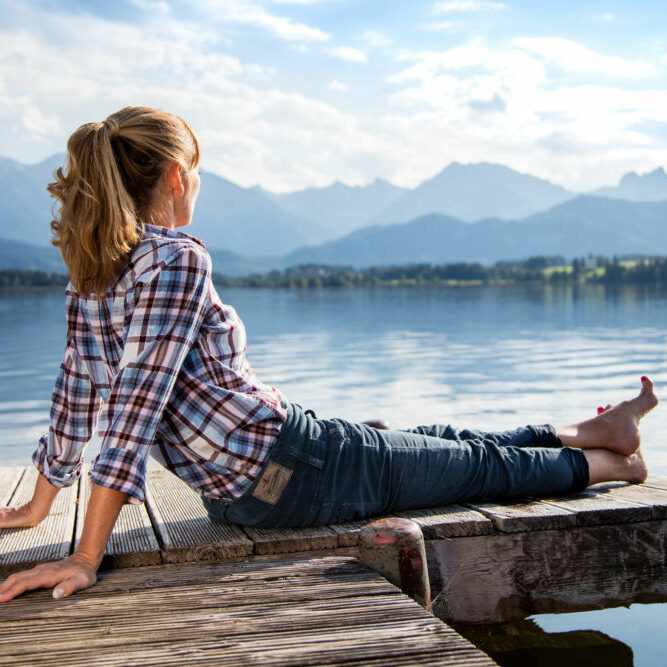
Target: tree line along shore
[537, 270]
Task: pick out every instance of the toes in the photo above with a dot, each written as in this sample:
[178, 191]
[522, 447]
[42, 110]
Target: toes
[647, 386]
[647, 394]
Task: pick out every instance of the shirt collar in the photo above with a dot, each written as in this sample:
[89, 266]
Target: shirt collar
[159, 230]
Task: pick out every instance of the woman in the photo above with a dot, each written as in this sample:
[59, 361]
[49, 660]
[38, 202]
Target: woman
[155, 363]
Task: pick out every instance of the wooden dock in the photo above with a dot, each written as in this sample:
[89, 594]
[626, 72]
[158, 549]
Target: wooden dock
[292, 611]
[488, 562]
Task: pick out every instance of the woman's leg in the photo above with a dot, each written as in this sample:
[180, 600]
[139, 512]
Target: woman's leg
[542, 435]
[341, 471]
[370, 472]
[437, 465]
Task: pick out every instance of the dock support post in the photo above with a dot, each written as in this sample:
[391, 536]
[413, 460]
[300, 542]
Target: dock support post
[395, 548]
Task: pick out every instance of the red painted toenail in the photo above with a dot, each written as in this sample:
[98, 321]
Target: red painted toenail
[644, 378]
[600, 411]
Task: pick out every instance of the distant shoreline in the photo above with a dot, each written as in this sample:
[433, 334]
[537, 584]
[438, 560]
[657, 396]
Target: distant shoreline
[531, 271]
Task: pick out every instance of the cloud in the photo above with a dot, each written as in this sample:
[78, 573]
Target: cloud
[261, 123]
[572, 132]
[378, 39]
[251, 132]
[441, 25]
[348, 53]
[655, 129]
[152, 5]
[495, 103]
[298, 2]
[337, 86]
[461, 6]
[249, 12]
[572, 57]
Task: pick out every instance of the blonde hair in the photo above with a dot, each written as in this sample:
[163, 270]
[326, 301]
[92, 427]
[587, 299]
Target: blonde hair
[112, 170]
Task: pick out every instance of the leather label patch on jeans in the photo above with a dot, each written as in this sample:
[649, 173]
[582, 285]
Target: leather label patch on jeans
[272, 483]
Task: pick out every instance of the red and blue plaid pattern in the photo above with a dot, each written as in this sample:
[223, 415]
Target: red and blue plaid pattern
[158, 365]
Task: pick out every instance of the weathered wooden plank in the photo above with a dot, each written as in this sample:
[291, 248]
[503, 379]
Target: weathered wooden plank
[287, 540]
[512, 575]
[593, 509]
[656, 482]
[529, 515]
[132, 542]
[637, 493]
[348, 533]
[50, 540]
[183, 527]
[449, 521]
[174, 620]
[9, 480]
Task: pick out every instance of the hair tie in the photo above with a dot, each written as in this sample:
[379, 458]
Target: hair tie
[112, 126]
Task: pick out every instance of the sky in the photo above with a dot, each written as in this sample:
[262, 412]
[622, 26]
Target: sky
[289, 94]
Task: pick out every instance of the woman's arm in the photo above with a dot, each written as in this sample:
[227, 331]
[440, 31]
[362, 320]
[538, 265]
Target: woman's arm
[33, 512]
[77, 571]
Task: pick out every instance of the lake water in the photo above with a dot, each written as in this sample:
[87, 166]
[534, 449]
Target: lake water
[477, 356]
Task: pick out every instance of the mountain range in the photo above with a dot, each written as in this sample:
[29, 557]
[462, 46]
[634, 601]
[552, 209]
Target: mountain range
[583, 225]
[477, 212]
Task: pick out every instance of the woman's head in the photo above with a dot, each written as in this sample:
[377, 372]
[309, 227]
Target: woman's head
[137, 165]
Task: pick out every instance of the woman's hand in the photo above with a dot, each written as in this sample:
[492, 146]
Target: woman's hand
[67, 576]
[34, 512]
[78, 571]
[19, 517]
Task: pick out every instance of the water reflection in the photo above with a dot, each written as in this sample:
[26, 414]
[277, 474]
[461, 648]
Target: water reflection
[615, 637]
[526, 644]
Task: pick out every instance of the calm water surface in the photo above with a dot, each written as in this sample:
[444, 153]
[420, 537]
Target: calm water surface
[485, 357]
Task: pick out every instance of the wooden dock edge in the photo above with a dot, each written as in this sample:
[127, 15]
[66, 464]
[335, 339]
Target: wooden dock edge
[505, 577]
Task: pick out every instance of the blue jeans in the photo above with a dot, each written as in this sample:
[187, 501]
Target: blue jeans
[324, 471]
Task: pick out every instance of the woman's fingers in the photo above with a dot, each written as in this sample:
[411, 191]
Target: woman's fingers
[67, 576]
[20, 582]
[75, 583]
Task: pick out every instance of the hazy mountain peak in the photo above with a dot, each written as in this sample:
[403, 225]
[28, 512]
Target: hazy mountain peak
[651, 186]
[657, 176]
[476, 191]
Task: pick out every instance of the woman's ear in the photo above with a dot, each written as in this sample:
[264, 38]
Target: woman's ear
[173, 177]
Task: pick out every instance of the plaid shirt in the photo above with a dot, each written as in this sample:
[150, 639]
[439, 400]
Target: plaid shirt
[158, 366]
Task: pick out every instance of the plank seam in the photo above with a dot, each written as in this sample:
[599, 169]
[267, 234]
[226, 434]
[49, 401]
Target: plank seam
[156, 520]
[254, 546]
[77, 511]
[12, 489]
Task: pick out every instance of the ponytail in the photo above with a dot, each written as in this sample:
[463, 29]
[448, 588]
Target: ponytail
[112, 170]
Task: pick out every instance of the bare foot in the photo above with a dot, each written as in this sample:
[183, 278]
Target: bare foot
[616, 427]
[606, 466]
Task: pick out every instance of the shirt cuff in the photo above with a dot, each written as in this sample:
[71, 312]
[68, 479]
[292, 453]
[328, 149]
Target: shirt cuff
[119, 469]
[58, 474]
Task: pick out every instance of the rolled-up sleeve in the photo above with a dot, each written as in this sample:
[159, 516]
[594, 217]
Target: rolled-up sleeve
[166, 316]
[75, 405]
